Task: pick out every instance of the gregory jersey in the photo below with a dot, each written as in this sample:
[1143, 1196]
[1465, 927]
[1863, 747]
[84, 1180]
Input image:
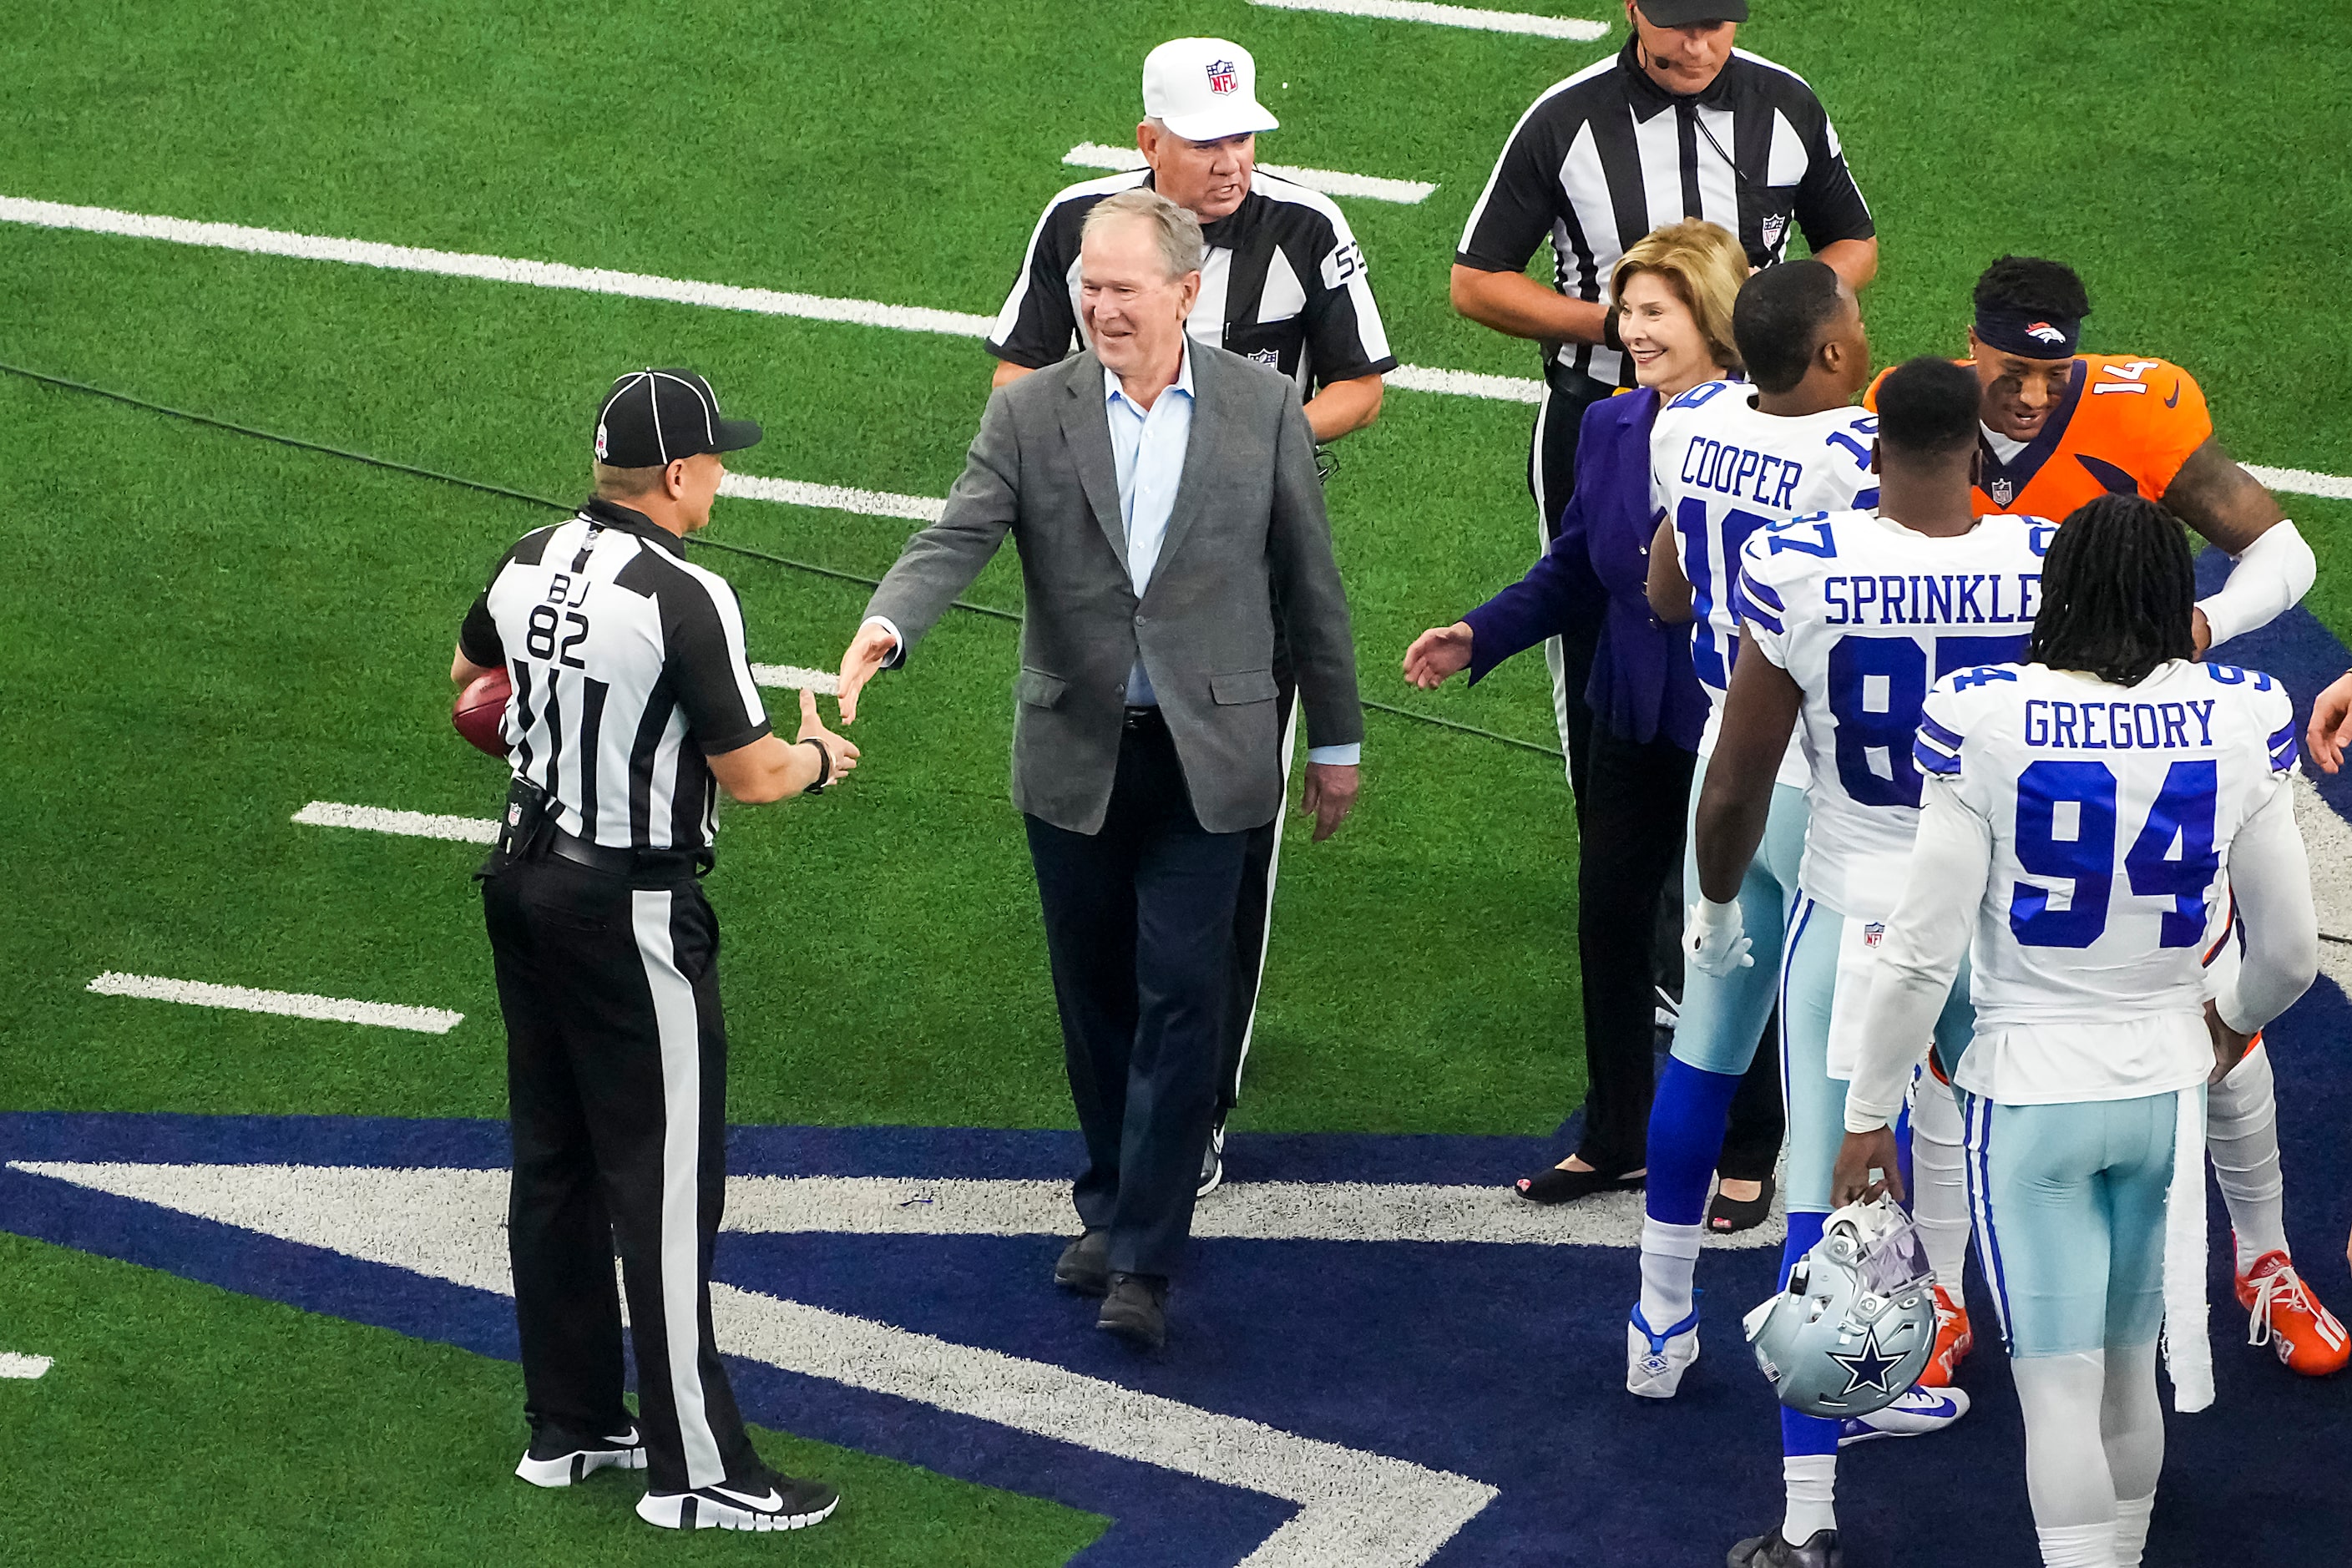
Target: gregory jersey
[2124, 425]
[1865, 616]
[1720, 469]
[2110, 811]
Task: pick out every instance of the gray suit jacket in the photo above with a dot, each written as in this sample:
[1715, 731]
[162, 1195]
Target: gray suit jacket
[1248, 533]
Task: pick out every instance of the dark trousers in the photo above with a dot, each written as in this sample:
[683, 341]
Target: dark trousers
[616, 1086]
[1551, 479]
[1139, 928]
[1751, 1144]
[1253, 916]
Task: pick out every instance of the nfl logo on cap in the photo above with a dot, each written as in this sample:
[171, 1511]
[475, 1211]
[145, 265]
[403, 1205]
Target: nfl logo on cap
[1222, 79]
[601, 447]
[1203, 90]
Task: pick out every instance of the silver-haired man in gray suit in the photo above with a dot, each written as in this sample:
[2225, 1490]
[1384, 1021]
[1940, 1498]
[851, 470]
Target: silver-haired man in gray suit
[1164, 497]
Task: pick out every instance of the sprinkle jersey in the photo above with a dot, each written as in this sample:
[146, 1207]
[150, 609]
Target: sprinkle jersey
[1865, 616]
[2111, 812]
[1720, 469]
[2124, 425]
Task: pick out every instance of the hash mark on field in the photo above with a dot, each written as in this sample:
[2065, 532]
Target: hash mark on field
[13, 1365]
[1583, 32]
[792, 678]
[288, 1004]
[405, 824]
[1331, 182]
[2303, 481]
[833, 498]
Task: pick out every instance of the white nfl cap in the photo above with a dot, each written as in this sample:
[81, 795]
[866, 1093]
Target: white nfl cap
[1203, 90]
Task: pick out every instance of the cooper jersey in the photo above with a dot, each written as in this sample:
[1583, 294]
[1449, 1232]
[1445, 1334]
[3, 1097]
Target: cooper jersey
[1719, 469]
[1865, 616]
[2124, 425]
[2110, 811]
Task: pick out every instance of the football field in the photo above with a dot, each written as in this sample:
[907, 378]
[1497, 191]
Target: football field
[258, 1249]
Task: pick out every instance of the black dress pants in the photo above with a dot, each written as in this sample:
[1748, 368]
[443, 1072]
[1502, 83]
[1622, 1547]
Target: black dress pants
[1139, 928]
[616, 1084]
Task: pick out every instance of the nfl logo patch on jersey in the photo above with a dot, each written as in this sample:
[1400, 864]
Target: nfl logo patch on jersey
[1776, 228]
[1270, 358]
[1873, 933]
[1222, 80]
[2001, 490]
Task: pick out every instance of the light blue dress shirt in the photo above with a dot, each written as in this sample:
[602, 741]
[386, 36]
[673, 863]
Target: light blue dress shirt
[1148, 448]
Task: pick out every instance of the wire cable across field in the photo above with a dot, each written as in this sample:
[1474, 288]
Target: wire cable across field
[509, 493]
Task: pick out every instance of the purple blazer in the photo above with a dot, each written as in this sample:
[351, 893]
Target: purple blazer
[1641, 688]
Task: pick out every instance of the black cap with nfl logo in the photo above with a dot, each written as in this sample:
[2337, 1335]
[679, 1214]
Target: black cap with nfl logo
[653, 417]
[1692, 13]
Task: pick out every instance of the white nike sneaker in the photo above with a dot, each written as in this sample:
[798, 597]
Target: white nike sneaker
[558, 1459]
[1919, 1411]
[778, 1502]
[1654, 1362]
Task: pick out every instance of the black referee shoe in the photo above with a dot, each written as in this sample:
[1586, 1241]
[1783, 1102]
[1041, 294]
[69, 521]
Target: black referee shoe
[769, 1503]
[557, 1458]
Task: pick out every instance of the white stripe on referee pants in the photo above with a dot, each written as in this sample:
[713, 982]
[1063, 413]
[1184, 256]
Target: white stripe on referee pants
[1272, 865]
[679, 1251]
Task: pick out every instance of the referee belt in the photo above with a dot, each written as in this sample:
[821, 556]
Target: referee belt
[638, 864]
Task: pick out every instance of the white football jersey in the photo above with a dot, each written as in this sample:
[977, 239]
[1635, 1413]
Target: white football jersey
[1865, 616]
[2111, 811]
[1720, 469]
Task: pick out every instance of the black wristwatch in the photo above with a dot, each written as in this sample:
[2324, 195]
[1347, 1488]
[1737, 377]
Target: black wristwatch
[823, 766]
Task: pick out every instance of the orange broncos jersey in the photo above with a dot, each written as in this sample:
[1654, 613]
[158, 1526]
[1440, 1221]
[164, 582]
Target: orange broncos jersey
[2125, 425]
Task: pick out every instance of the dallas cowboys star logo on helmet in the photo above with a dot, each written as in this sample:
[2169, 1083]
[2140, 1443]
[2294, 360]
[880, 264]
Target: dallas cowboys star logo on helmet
[1869, 1367]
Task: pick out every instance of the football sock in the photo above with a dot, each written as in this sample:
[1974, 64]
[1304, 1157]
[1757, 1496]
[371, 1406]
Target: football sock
[2066, 1474]
[1686, 1122]
[2077, 1546]
[1669, 1255]
[2241, 1134]
[1939, 1186]
[1811, 1480]
[1804, 1437]
[2131, 1424]
[2131, 1529]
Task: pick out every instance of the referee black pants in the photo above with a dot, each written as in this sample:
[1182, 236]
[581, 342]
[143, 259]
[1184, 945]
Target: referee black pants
[616, 1086]
[1254, 909]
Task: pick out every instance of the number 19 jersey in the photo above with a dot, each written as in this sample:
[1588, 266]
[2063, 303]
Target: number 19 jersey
[1865, 616]
[2111, 812]
[1720, 469]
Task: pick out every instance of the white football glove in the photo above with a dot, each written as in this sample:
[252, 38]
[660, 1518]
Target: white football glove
[1712, 942]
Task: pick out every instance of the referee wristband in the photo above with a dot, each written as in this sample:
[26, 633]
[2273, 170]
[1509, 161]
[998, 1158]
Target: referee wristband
[824, 767]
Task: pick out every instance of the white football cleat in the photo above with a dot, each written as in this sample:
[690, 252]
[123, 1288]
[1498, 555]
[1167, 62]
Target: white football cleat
[778, 1502]
[1654, 1362]
[1919, 1411]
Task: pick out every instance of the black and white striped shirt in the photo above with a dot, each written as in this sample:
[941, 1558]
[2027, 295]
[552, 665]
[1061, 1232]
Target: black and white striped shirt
[1283, 283]
[629, 670]
[1604, 157]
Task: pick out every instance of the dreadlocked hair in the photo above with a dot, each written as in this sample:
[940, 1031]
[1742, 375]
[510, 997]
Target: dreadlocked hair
[2118, 592]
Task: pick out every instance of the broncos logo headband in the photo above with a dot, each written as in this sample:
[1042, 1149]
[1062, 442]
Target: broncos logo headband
[2029, 336]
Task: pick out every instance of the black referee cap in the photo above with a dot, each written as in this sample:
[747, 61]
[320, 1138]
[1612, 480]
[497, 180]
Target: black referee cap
[1692, 13]
[653, 417]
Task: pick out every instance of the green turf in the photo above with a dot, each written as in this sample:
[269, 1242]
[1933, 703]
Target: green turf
[138, 1448]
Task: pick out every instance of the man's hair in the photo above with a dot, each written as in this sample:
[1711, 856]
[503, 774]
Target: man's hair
[2029, 285]
[1928, 408]
[1703, 264]
[627, 484]
[2118, 592]
[1779, 319]
[1177, 230]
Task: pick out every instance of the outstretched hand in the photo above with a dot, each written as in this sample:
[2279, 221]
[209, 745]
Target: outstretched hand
[838, 749]
[860, 662]
[1437, 653]
[2331, 725]
[1861, 1153]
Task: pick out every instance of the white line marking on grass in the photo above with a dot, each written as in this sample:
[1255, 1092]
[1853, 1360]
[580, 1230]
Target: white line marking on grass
[833, 498]
[2303, 483]
[1357, 1510]
[13, 1365]
[1451, 17]
[792, 678]
[289, 1003]
[405, 824]
[1331, 182]
[1467, 384]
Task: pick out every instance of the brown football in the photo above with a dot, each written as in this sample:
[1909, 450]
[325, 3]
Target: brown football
[480, 713]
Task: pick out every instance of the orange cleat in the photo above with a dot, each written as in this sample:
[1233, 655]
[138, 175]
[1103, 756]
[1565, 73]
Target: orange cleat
[2287, 1317]
[1953, 1341]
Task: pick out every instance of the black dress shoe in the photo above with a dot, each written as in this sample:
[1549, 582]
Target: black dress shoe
[1085, 1264]
[1820, 1551]
[1137, 1310]
[1554, 1185]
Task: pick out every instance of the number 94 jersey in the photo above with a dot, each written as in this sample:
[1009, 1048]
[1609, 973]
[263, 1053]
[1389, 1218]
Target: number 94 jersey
[2111, 811]
[1865, 616]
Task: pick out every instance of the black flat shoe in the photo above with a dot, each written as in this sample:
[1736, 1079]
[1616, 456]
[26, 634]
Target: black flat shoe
[1819, 1550]
[1555, 1186]
[1136, 1310]
[1083, 1267]
[1729, 1216]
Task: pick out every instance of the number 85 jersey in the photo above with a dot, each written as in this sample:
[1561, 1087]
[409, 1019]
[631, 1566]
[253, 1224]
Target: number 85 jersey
[1865, 615]
[2110, 813]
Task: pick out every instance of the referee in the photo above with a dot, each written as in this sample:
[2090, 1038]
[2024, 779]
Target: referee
[631, 707]
[1281, 282]
[1675, 125]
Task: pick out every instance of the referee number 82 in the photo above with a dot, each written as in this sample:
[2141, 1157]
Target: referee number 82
[540, 638]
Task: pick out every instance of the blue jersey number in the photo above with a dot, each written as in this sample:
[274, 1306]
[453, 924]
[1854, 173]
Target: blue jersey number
[1713, 663]
[2181, 814]
[1877, 687]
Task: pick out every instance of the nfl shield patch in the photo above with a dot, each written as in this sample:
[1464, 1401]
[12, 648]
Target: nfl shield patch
[1873, 933]
[1776, 228]
[1222, 79]
[600, 440]
[2001, 490]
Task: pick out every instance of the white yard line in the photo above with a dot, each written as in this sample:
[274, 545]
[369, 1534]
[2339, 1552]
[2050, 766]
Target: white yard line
[1331, 182]
[405, 824]
[792, 678]
[811, 307]
[14, 1364]
[1452, 17]
[1357, 1509]
[288, 1004]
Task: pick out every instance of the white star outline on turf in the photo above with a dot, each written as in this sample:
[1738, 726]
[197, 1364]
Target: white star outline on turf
[1867, 1367]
